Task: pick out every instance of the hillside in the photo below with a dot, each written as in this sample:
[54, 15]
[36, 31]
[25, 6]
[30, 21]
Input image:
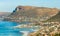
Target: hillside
[55, 18]
[32, 13]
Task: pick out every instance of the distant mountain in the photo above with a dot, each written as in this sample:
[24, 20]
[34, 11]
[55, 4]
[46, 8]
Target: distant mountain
[5, 13]
[37, 13]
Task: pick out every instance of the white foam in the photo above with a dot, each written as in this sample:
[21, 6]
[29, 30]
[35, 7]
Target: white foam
[25, 33]
[34, 29]
[17, 26]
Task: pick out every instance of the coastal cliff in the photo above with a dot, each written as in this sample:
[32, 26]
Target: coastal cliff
[45, 20]
[31, 14]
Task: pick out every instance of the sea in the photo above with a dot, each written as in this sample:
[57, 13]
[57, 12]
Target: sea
[7, 29]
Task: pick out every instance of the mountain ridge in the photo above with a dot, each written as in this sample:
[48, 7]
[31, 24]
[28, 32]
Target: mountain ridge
[39, 13]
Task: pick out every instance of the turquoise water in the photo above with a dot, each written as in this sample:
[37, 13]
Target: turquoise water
[6, 29]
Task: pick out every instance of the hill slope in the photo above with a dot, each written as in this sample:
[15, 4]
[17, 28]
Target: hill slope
[55, 18]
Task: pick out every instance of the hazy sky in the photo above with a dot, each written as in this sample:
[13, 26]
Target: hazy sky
[9, 5]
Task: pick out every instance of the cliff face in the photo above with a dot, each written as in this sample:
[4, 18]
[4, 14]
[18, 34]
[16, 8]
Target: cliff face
[38, 13]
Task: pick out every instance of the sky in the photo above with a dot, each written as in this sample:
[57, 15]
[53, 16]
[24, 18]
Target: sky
[10, 5]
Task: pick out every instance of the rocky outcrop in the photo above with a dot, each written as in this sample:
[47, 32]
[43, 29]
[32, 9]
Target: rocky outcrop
[31, 13]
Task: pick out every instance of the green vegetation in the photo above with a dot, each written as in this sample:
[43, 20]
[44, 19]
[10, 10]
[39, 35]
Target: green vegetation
[57, 34]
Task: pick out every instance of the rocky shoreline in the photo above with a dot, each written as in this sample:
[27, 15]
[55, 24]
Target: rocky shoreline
[51, 30]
